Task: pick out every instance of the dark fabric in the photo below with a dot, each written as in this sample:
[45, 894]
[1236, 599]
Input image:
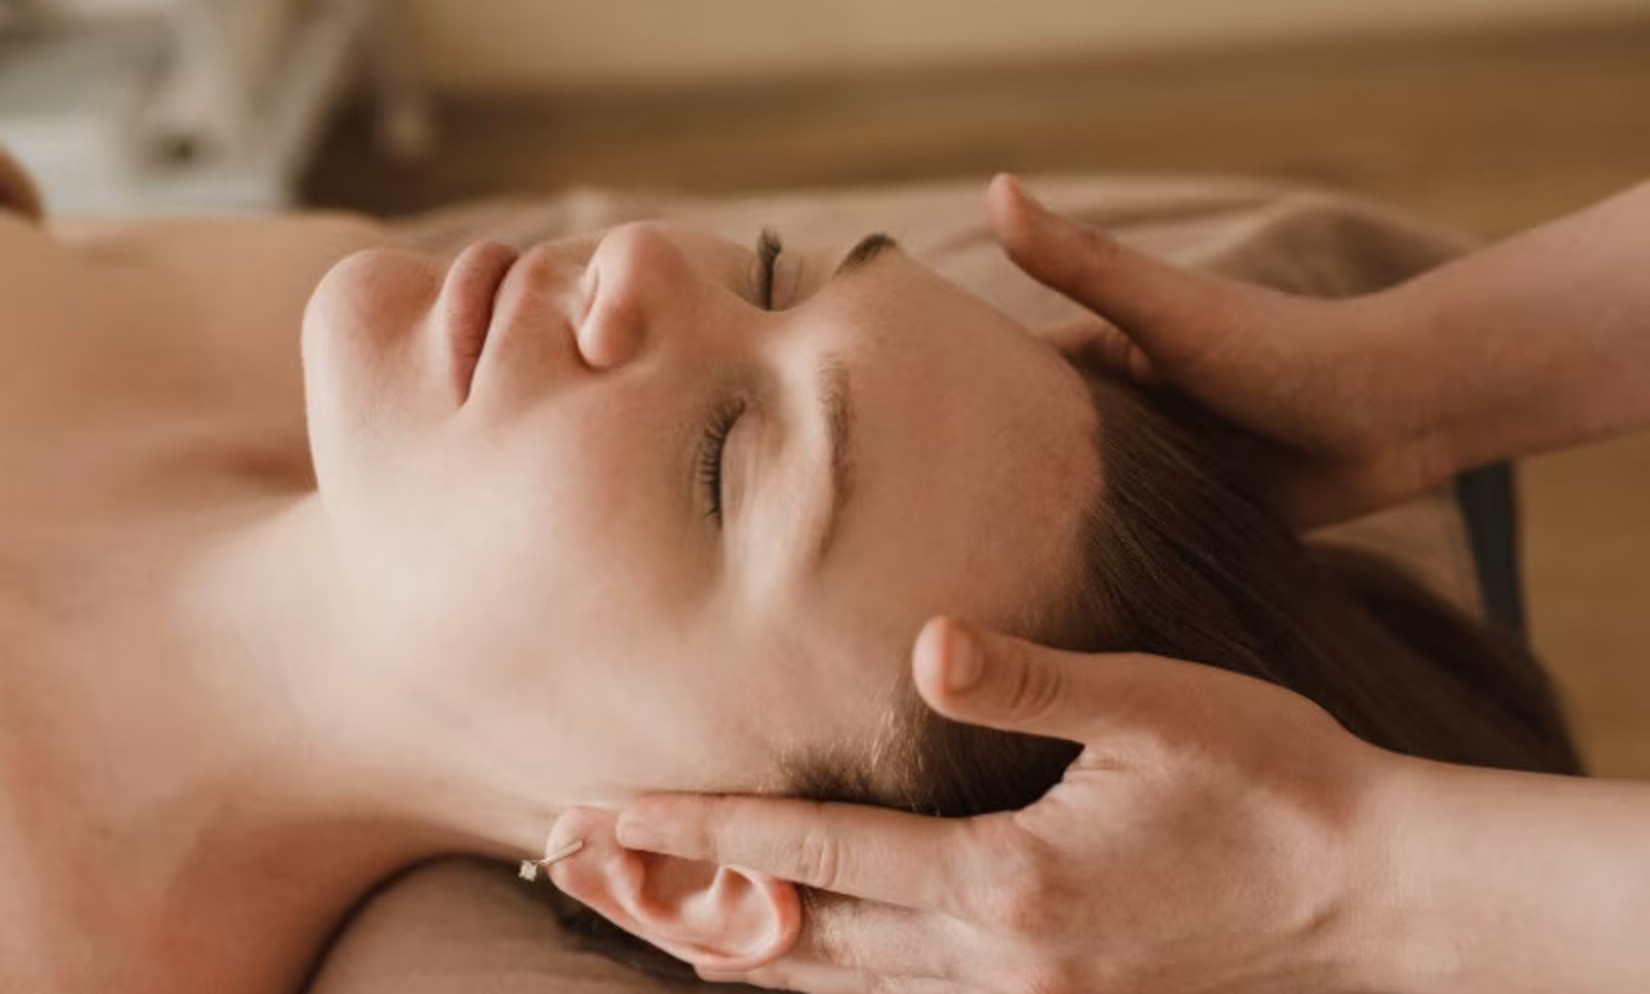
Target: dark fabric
[1490, 504]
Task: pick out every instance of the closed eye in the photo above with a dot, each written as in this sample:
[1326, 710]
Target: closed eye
[717, 430]
[768, 248]
[726, 415]
[723, 419]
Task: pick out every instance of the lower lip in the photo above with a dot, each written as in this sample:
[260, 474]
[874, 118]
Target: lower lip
[470, 294]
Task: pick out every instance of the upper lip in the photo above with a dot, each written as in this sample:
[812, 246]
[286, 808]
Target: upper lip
[548, 278]
[471, 293]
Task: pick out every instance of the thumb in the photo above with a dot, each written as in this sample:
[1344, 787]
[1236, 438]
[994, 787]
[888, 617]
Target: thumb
[1091, 342]
[986, 678]
[1165, 310]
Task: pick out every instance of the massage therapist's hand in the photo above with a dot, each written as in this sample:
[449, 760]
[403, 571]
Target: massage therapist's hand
[1535, 343]
[1334, 381]
[1216, 835]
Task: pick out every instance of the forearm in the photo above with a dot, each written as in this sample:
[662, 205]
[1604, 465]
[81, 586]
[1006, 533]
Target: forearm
[1539, 342]
[1507, 883]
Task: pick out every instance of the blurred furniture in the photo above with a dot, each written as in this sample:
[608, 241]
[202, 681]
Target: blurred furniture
[492, 47]
[145, 105]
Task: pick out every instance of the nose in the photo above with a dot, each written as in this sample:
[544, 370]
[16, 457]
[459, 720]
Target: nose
[607, 337]
[637, 280]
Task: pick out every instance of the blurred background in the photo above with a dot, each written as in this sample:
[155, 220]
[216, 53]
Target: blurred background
[1486, 115]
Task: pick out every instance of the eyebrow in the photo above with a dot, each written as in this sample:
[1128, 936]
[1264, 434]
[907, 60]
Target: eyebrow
[835, 392]
[836, 403]
[864, 253]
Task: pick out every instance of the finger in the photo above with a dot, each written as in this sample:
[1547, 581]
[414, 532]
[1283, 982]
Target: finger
[882, 939]
[986, 678]
[1093, 342]
[863, 852]
[814, 978]
[1166, 310]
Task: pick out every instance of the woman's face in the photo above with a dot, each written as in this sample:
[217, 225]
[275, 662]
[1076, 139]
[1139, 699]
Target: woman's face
[666, 534]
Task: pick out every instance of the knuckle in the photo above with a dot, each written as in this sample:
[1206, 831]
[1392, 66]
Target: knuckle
[1043, 899]
[1035, 686]
[708, 832]
[820, 859]
[1022, 907]
[1015, 892]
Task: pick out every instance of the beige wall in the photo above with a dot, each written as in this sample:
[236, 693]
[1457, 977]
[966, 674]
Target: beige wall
[482, 45]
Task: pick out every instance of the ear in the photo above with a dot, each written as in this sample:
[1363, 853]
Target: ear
[720, 918]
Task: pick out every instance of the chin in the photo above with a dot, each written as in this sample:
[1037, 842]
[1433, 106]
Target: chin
[374, 293]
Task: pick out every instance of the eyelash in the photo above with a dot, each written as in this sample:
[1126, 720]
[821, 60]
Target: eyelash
[768, 247]
[721, 425]
[722, 420]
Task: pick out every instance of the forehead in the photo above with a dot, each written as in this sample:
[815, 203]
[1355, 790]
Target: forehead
[975, 462]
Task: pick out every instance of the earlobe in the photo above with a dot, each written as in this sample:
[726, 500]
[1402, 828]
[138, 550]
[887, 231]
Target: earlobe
[717, 917]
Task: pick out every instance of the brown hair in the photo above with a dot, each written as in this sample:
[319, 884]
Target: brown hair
[1183, 556]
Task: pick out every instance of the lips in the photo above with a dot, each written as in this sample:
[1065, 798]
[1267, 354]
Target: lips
[469, 297]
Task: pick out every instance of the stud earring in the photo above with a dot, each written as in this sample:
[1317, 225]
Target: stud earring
[530, 867]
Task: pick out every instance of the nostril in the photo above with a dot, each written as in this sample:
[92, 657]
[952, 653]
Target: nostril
[611, 331]
[630, 278]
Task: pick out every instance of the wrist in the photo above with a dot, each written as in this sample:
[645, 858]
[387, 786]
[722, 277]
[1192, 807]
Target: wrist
[1445, 849]
[1416, 430]
[1394, 940]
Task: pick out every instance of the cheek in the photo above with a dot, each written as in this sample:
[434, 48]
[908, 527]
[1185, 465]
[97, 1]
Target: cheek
[563, 518]
[583, 482]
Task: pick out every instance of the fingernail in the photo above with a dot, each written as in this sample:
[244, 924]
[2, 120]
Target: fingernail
[635, 832]
[966, 665]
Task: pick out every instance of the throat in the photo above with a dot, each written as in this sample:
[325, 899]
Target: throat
[173, 814]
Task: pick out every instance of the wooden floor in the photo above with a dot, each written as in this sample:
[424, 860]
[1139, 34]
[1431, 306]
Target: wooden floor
[1490, 134]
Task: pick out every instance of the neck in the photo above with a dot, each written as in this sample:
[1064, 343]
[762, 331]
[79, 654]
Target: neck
[269, 777]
